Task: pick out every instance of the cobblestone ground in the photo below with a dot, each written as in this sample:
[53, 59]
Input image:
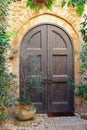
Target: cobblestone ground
[43, 122]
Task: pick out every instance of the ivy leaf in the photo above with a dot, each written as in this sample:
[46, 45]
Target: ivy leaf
[80, 9]
[63, 3]
[69, 3]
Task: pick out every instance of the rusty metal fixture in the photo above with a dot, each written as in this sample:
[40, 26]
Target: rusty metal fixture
[13, 54]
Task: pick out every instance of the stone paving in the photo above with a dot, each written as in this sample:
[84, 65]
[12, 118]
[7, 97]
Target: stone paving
[43, 122]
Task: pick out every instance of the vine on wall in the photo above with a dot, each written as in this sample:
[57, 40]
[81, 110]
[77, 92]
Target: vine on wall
[38, 4]
[79, 5]
[6, 78]
[82, 86]
[83, 54]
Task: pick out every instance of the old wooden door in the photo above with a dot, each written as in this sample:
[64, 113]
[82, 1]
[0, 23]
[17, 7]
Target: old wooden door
[53, 47]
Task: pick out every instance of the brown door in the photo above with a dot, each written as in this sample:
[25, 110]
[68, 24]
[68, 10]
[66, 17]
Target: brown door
[53, 48]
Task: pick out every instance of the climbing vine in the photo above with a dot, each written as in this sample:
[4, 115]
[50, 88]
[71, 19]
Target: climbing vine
[79, 5]
[83, 54]
[6, 78]
[82, 86]
[38, 4]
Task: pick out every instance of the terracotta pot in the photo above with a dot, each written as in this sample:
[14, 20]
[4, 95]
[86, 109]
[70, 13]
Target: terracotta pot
[1, 123]
[40, 1]
[83, 116]
[3, 127]
[24, 112]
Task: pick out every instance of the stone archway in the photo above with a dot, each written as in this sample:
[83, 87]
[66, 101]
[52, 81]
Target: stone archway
[45, 18]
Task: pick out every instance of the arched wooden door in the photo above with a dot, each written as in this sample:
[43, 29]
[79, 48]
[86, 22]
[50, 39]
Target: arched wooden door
[53, 47]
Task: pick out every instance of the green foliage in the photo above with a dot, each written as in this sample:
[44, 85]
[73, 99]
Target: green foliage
[63, 3]
[80, 8]
[82, 91]
[49, 4]
[84, 28]
[31, 78]
[78, 4]
[38, 4]
[7, 82]
[6, 79]
[4, 8]
[3, 115]
[83, 54]
[83, 57]
[81, 88]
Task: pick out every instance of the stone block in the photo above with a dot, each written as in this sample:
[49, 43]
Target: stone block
[83, 116]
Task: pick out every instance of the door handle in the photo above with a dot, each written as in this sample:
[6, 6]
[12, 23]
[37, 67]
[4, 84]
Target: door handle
[50, 81]
[44, 80]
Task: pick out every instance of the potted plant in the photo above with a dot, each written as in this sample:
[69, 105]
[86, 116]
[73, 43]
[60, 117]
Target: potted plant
[25, 108]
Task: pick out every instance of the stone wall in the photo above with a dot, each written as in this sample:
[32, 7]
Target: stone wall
[21, 19]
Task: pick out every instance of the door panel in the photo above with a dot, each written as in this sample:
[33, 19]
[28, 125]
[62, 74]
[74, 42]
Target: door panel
[59, 97]
[59, 40]
[52, 47]
[58, 63]
[60, 71]
[33, 50]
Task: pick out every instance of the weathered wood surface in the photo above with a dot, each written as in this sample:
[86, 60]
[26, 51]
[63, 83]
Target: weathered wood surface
[53, 48]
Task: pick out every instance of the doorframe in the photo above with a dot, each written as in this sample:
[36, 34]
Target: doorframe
[71, 46]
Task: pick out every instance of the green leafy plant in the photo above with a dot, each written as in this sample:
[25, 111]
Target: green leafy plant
[31, 86]
[81, 88]
[7, 82]
[38, 4]
[4, 4]
[84, 28]
[31, 78]
[78, 4]
[83, 54]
